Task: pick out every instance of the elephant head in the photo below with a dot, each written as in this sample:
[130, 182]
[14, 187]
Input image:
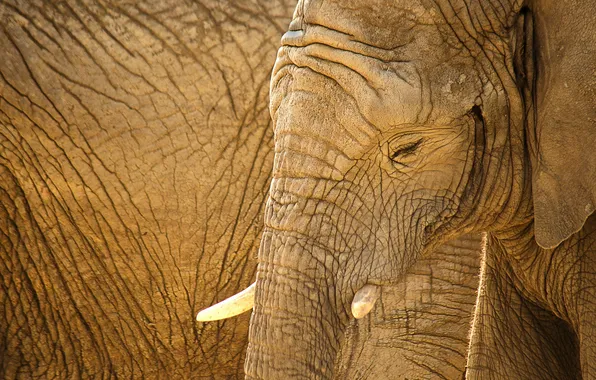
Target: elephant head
[401, 124]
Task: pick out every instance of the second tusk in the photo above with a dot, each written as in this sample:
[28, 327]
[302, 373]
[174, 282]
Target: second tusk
[364, 300]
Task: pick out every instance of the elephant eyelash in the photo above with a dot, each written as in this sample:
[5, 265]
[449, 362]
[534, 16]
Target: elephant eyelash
[405, 150]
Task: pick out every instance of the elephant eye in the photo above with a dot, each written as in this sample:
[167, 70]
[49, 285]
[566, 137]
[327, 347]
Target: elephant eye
[404, 151]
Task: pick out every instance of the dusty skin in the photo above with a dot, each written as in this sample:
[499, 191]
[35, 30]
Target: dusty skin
[136, 151]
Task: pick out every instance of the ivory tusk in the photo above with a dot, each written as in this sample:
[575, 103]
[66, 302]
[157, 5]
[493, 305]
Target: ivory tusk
[364, 300]
[230, 307]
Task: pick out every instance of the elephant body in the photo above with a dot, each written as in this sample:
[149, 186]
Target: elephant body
[135, 156]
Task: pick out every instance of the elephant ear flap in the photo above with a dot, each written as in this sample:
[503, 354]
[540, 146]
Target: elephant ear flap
[564, 127]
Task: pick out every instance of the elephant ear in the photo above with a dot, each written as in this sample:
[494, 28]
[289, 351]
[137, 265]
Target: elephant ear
[564, 155]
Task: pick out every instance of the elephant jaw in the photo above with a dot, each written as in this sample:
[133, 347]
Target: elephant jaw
[363, 302]
[230, 307]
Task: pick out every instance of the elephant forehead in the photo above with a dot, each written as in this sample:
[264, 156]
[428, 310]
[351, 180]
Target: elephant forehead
[395, 66]
[382, 23]
[324, 117]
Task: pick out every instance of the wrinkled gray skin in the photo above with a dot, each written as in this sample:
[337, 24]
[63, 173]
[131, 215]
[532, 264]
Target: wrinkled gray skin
[135, 156]
[401, 124]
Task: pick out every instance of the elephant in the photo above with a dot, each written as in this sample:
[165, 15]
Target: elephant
[402, 124]
[136, 151]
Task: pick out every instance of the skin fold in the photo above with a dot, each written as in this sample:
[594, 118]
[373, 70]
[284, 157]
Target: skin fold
[400, 125]
[136, 151]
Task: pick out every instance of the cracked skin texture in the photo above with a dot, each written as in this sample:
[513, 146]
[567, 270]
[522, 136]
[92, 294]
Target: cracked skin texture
[135, 155]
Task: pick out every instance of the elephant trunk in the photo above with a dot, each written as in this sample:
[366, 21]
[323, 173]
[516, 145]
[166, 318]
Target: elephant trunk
[309, 270]
[298, 320]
